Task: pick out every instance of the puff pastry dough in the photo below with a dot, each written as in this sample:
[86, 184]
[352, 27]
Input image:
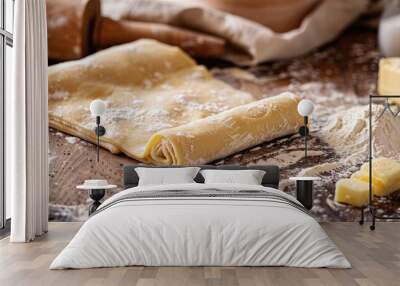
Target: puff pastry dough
[162, 108]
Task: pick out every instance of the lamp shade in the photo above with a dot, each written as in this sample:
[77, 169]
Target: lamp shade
[97, 107]
[305, 107]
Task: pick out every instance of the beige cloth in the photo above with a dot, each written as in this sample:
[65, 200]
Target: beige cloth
[250, 42]
[280, 16]
[162, 107]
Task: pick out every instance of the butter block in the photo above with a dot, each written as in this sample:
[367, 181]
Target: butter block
[377, 187]
[389, 77]
[351, 191]
[385, 180]
[385, 176]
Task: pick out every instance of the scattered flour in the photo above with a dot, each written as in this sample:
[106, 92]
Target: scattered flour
[60, 95]
[255, 149]
[347, 133]
[71, 139]
[319, 169]
[287, 158]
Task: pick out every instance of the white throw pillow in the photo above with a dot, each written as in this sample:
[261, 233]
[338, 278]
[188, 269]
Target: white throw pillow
[248, 177]
[163, 176]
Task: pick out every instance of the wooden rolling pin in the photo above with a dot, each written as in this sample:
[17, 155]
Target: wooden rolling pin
[70, 26]
[110, 32]
[76, 29]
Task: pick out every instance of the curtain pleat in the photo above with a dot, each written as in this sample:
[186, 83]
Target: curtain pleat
[15, 129]
[28, 124]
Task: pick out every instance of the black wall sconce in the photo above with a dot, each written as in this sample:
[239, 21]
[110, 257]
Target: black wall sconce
[97, 108]
[305, 109]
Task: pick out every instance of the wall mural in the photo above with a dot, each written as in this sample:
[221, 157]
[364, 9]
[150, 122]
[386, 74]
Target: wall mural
[170, 99]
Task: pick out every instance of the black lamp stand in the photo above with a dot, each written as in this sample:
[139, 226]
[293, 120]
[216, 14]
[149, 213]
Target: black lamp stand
[100, 131]
[304, 131]
[96, 195]
[304, 193]
[371, 198]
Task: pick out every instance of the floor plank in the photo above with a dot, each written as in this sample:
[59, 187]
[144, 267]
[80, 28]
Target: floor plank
[375, 257]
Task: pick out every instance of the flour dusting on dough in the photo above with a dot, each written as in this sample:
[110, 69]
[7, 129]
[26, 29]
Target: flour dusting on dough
[190, 101]
[113, 115]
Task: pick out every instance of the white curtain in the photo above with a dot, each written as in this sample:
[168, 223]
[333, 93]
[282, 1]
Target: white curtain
[27, 124]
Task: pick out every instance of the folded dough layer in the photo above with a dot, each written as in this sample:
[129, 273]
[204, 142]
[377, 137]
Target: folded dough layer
[223, 134]
[162, 108]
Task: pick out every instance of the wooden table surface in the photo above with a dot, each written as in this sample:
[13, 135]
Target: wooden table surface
[348, 65]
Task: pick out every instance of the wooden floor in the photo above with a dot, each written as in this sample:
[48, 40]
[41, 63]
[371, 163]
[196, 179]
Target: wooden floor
[375, 257]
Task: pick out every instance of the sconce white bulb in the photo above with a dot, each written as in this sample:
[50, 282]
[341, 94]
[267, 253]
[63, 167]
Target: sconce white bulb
[305, 107]
[97, 107]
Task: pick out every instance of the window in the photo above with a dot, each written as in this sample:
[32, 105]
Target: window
[6, 43]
